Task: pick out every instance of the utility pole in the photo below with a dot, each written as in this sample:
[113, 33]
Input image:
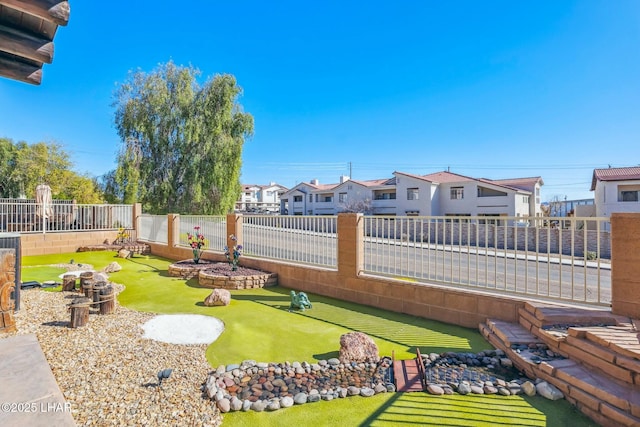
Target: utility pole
[350, 170]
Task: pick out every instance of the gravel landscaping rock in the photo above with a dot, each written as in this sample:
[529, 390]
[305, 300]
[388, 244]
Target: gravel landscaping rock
[108, 372]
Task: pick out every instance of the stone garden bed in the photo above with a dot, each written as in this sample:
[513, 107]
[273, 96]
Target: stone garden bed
[219, 275]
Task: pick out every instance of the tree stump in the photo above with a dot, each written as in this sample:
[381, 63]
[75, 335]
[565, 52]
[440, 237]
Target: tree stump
[79, 312]
[68, 282]
[107, 300]
[97, 288]
[87, 288]
[85, 276]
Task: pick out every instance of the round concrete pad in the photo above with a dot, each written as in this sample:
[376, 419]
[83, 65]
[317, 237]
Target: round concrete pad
[183, 329]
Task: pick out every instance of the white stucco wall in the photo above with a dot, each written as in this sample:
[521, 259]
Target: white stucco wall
[422, 205]
[606, 198]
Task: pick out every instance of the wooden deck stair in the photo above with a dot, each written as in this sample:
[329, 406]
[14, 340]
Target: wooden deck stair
[601, 372]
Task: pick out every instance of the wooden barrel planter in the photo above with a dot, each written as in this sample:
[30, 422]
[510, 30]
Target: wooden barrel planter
[68, 282]
[79, 312]
[107, 300]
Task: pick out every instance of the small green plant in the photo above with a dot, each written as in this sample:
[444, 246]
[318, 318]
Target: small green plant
[197, 243]
[233, 254]
[591, 256]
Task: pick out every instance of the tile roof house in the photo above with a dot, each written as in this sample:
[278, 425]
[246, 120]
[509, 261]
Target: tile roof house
[436, 194]
[616, 190]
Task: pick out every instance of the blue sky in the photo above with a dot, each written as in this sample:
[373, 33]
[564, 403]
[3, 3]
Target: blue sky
[494, 89]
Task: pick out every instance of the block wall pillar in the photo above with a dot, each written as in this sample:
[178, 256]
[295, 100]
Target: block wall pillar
[173, 230]
[625, 264]
[234, 228]
[350, 245]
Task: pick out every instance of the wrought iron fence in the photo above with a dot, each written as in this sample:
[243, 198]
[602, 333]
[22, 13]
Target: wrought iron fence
[153, 228]
[213, 228]
[27, 216]
[565, 259]
[300, 239]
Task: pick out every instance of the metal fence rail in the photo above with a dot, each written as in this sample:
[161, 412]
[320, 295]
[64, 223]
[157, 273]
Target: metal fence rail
[31, 217]
[153, 228]
[214, 229]
[300, 239]
[564, 259]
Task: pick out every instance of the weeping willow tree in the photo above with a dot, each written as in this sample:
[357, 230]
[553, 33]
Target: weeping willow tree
[182, 141]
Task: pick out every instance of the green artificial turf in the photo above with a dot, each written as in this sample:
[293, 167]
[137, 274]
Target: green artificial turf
[41, 274]
[258, 326]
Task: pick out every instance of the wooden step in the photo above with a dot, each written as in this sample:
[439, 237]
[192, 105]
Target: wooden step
[548, 314]
[596, 390]
[512, 333]
[612, 350]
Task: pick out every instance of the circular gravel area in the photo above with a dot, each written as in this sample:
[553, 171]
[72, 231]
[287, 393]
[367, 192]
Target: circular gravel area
[183, 329]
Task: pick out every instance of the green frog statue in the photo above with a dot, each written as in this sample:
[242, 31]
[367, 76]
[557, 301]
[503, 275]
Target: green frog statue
[299, 301]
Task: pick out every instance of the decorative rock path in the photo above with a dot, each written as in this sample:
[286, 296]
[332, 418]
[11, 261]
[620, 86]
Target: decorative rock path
[487, 372]
[271, 386]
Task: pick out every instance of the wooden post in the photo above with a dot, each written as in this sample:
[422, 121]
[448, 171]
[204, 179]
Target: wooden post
[79, 312]
[87, 289]
[85, 277]
[97, 288]
[107, 300]
[68, 282]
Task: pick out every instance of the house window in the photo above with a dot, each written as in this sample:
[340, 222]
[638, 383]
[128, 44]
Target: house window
[488, 192]
[525, 199]
[629, 196]
[328, 199]
[385, 196]
[297, 198]
[457, 193]
[412, 194]
[310, 198]
[342, 197]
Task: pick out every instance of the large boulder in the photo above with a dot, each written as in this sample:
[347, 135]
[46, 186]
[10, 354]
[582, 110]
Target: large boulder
[218, 297]
[359, 348]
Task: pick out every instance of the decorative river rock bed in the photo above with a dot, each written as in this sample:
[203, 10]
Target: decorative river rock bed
[272, 386]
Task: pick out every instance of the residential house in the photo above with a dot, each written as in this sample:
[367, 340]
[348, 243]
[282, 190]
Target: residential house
[260, 198]
[616, 190]
[437, 194]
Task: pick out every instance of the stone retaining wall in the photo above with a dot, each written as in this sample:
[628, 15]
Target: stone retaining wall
[215, 281]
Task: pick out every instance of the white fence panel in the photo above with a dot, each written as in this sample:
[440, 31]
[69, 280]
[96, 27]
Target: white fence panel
[565, 259]
[214, 229]
[153, 228]
[300, 239]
